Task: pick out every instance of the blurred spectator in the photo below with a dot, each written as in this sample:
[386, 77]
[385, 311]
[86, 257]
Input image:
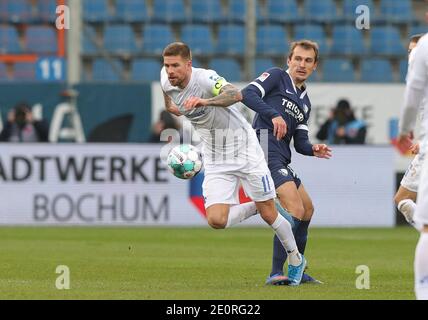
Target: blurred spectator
[342, 127]
[21, 126]
[166, 121]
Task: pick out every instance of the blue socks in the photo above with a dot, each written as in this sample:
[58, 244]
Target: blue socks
[300, 231]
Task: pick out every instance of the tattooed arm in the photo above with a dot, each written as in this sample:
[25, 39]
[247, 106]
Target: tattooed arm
[170, 106]
[228, 95]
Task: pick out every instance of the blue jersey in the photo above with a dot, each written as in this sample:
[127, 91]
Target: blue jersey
[274, 94]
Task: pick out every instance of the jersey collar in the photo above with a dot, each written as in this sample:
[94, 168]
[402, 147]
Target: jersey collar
[303, 93]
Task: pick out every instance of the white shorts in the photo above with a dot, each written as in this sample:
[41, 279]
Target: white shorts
[421, 214]
[223, 187]
[412, 176]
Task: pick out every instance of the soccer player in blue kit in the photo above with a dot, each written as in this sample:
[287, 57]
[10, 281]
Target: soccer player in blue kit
[283, 107]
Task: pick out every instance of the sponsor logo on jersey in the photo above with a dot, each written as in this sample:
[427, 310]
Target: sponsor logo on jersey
[293, 109]
[289, 92]
[263, 76]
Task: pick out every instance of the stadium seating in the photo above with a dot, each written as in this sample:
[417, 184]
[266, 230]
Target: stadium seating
[320, 11]
[41, 40]
[3, 72]
[199, 38]
[313, 32]
[230, 40]
[261, 65]
[399, 11]
[227, 68]
[386, 41]
[16, 11]
[207, 11]
[9, 40]
[282, 11]
[338, 70]
[96, 11]
[418, 29]
[403, 69]
[89, 40]
[156, 38]
[131, 11]
[46, 10]
[271, 41]
[376, 70]
[24, 71]
[237, 11]
[169, 11]
[120, 39]
[103, 70]
[347, 40]
[146, 70]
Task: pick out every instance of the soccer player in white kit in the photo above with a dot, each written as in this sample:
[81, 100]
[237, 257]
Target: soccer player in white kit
[230, 149]
[416, 92]
[405, 198]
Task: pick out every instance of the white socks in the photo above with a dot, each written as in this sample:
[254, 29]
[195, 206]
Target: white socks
[407, 207]
[421, 267]
[240, 213]
[283, 230]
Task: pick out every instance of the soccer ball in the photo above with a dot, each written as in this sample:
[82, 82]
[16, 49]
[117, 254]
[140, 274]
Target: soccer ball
[184, 161]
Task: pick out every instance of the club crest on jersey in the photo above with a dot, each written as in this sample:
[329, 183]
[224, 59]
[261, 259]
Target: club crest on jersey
[263, 76]
[284, 172]
[305, 108]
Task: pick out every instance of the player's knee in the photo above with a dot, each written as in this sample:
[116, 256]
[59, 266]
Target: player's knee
[217, 221]
[298, 212]
[309, 211]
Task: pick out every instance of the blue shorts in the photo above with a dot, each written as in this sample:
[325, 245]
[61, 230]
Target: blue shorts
[282, 173]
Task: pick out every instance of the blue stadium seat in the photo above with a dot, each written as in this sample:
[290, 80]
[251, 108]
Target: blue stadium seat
[9, 40]
[261, 65]
[399, 11]
[156, 38]
[349, 7]
[237, 11]
[3, 72]
[207, 11]
[227, 68]
[418, 29]
[103, 70]
[96, 11]
[146, 70]
[386, 41]
[196, 63]
[131, 11]
[338, 70]
[169, 11]
[283, 11]
[120, 39]
[199, 38]
[324, 11]
[313, 32]
[272, 40]
[376, 70]
[24, 71]
[231, 40]
[403, 69]
[15, 11]
[46, 10]
[347, 40]
[88, 38]
[41, 40]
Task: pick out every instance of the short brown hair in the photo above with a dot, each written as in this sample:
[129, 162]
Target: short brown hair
[415, 38]
[177, 49]
[305, 44]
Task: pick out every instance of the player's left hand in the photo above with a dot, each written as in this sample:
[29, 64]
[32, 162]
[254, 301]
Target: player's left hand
[322, 151]
[194, 102]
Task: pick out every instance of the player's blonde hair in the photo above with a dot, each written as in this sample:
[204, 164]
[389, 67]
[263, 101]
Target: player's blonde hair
[177, 49]
[305, 44]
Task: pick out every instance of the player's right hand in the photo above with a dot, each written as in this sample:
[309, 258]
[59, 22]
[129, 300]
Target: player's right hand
[279, 127]
[194, 102]
[415, 148]
[405, 141]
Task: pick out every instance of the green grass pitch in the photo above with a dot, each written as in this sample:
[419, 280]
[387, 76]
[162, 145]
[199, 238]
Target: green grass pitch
[199, 263]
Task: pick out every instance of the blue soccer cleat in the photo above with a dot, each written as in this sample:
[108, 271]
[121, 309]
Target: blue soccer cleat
[295, 273]
[277, 280]
[308, 279]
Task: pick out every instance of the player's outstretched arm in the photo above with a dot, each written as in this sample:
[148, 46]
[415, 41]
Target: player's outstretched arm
[170, 106]
[228, 95]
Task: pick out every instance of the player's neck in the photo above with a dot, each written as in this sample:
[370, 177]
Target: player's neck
[186, 81]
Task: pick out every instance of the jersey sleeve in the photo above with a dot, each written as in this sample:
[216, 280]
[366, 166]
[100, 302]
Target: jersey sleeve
[301, 140]
[417, 81]
[254, 93]
[211, 82]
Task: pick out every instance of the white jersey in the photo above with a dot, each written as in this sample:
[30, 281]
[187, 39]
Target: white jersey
[227, 137]
[416, 94]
